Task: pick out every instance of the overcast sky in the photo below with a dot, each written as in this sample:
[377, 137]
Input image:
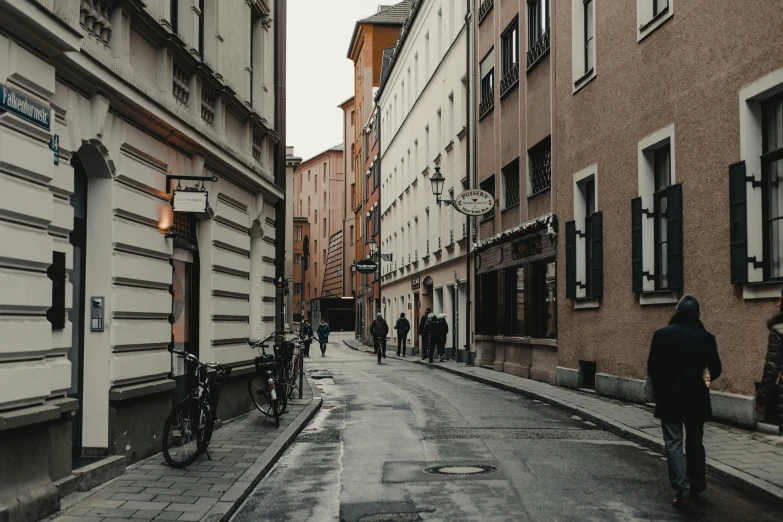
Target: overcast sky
[319, 75]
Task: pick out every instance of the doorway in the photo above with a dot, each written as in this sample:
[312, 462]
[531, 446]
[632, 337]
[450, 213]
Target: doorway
[78, 240]
[185, 302]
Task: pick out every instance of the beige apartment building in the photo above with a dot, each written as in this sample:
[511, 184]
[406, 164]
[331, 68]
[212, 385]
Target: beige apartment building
[515, 255]
[106, 108]
[670, 122]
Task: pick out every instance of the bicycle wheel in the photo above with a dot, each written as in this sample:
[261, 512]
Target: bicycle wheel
[186, 432]
[275, 407]
[261, 397]
[294, 379]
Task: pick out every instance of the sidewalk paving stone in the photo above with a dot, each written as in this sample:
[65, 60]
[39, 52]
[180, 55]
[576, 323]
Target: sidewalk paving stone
[243, 450]
[751, 460]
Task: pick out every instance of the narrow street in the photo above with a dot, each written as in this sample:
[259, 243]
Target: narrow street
[364, 456]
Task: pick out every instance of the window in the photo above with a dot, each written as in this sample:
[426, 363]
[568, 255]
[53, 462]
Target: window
[651, 14]
[584, 242]
[351, 236]
[657, 221]
[324, 198]
[175, 17]
[663, 180]
[353, 121]
[297, 288]
[540, 157]
[487, 311]
[353, 153]
[511, 184]
[353, 194]
[315, 244]
[487, 73]
[308, 176]
[297, 233]
[589, 34]
[325, 233]
[537, 20]
[316, 216]
[316, 182]
[488, 185]
[534, 284]
[509, 42]
[297, 259]
[583, 43]
[772, 187]
[517, 282]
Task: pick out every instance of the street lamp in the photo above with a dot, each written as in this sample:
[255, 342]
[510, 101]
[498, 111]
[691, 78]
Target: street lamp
[437, 180]
[373, 246]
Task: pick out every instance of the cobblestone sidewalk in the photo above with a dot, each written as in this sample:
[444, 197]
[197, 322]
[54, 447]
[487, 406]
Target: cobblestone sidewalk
[242, 451]
[750, 460]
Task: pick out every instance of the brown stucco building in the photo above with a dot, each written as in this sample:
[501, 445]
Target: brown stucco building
[656, 106]
[516, 323]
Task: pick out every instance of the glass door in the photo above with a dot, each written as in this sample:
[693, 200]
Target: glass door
[184, 308]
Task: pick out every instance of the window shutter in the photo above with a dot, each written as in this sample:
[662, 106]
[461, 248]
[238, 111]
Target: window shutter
[738, 211]
[570, 260]
[487, 65]
[56, 273]
[597, 268]
[636, 243]
[674, 235]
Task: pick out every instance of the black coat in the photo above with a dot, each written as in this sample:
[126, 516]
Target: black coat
[422, 322]
[402, 326]
[440, 330]
[306, 332]
[773, 364]
[427, 331]
[679, 354]
[379, 328]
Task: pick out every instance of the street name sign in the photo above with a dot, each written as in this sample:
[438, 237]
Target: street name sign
[25, 108]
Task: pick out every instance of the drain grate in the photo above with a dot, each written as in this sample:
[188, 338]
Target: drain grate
[461, 470]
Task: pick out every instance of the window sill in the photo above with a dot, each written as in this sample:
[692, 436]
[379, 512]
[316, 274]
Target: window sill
[511, 207]
[587, 303]
[487, 219]
[763, 290]
[584, 80]
[654, 23]
[663, 297]
[531, 196]
[463, 132]
[449, 146]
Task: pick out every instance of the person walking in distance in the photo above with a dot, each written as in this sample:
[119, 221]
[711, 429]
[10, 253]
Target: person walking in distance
[422, 322]
[323, 335]
[428, 335]
[403, 327]
[679, 355]
[379, 329]
[771, 386]
[306, 332]
[440, 330]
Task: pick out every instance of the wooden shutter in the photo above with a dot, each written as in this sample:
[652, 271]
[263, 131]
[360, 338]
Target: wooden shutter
[738, 212]
[570, 260]
[636, 243]
[597, 269]
[56, 273]
[674, 235]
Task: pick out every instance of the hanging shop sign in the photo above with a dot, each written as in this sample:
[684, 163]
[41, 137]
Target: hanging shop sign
[415, 283]
[190, 201]
[25, 108]
[367, 266]
[54, 146]
[474, 202]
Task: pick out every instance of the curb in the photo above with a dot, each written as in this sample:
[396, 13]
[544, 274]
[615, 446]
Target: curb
[235, 496]
[717, 469]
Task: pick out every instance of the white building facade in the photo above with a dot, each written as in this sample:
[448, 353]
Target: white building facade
[98, 276]
[422, 100]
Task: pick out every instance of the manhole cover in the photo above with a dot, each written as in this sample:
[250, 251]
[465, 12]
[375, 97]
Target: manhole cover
[461, 470]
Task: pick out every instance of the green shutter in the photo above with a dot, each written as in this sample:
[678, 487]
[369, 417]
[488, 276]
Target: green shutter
[674, 236]
[597, 250]
[636, 243]
[570, 260]
[738, 212]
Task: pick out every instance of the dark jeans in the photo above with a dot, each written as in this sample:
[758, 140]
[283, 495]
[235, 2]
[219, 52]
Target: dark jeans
[401, 342]
[686, 472]
[425, 349]
[436, 347]
[306, 349]
[323, 347]
[380, 343]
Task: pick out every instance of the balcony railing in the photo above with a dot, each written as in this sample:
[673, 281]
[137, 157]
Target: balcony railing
[539, 49]
[509, 80]
[484, 8]
[487, 103]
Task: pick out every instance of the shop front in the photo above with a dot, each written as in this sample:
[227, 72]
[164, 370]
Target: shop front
[516, 309]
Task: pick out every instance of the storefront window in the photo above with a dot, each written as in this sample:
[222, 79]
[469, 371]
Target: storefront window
[517, 281]
[487, 311]
[551, 300]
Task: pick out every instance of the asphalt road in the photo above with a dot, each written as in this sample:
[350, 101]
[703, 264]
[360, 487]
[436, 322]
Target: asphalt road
[364, 456]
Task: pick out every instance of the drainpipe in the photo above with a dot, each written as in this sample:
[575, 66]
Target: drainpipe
[468, 219]
[280, 157]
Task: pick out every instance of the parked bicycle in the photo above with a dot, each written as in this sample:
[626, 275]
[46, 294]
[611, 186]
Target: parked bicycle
[262, 387]
[189, 426]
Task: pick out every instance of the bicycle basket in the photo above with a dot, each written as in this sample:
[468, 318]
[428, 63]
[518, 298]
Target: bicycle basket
[284, 350]
[266, 364]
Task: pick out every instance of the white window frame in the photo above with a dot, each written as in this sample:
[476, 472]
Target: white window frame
[750, 98]
[646, 22]
[646, 179]
[580, 77]
[581, 179]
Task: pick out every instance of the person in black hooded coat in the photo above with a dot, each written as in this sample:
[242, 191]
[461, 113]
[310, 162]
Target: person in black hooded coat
[773, 366]
[679, 355]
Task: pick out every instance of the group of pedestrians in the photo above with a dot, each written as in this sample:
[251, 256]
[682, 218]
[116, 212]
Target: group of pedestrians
[306, 332]
[432, 329]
